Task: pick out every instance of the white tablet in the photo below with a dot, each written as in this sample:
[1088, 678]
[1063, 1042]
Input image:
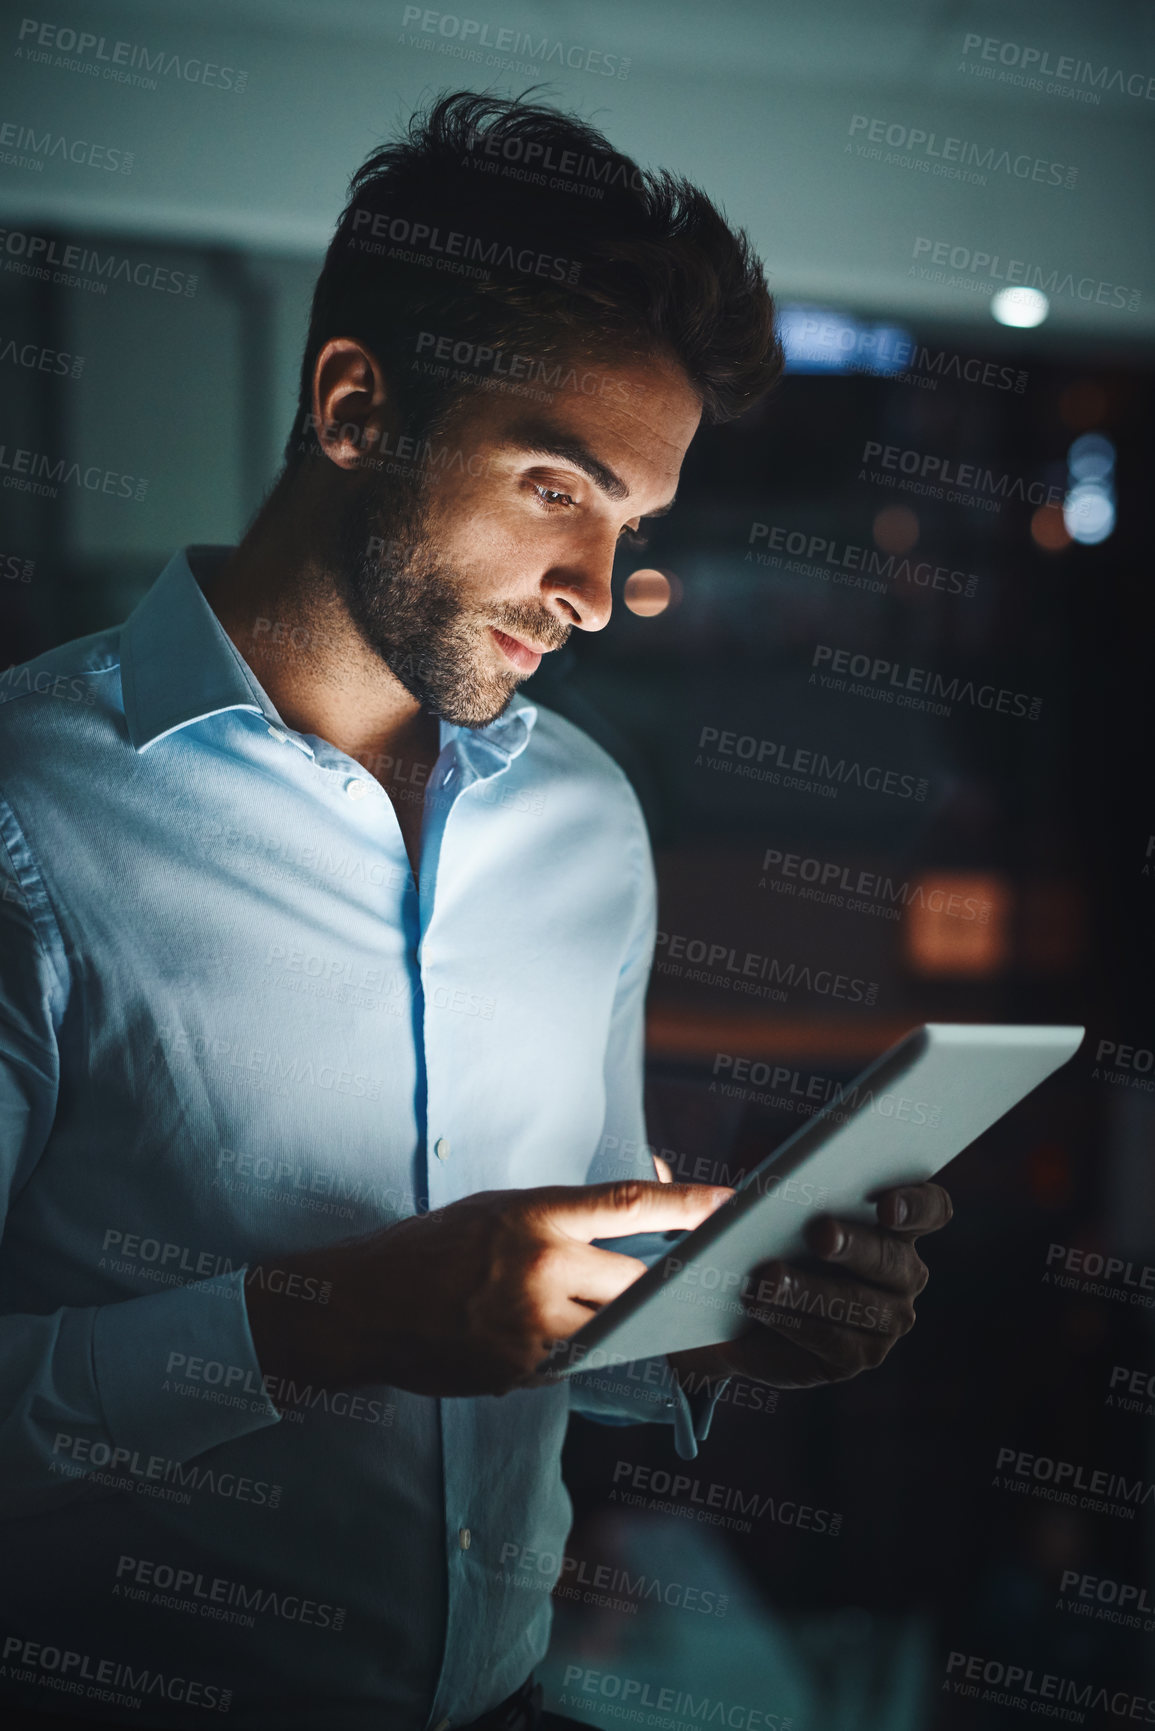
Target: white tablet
[899, 1122]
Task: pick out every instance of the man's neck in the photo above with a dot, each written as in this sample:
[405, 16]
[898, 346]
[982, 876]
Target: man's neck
[278, 601]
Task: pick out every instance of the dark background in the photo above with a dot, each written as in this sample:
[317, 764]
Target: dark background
[1047, 820]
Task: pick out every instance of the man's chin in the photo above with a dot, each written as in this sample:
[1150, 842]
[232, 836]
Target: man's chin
[477, 716]
[478, 705]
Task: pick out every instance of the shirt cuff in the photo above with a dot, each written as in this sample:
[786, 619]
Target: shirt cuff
[177, 1372]
[646, 1391]
[693, 1416]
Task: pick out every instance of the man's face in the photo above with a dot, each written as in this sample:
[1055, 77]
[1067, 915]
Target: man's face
[509, 543]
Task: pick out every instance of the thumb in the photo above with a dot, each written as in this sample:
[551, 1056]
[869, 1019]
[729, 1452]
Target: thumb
[631, 1205]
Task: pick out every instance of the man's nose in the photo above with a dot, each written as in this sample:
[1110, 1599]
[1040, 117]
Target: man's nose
[580, 589]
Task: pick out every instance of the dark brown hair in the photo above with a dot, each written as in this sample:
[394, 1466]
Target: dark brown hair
[504, 224]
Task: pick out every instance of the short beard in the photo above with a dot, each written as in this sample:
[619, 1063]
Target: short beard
[407, 605]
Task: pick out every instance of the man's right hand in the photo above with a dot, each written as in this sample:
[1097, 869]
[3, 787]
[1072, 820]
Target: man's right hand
[466, 1300]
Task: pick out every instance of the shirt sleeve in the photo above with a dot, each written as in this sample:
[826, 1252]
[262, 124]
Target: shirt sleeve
[646, 1390]
[82, 1393]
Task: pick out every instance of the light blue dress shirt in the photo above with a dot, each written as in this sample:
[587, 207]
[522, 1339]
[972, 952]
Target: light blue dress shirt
[231, 1028]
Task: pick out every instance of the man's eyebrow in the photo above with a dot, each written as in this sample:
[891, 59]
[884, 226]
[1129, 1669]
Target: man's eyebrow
[542, 441]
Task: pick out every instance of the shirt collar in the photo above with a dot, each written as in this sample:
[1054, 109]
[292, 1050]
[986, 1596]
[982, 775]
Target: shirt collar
[179, 665]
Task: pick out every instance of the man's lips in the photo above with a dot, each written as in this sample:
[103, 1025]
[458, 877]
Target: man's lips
[525, 659]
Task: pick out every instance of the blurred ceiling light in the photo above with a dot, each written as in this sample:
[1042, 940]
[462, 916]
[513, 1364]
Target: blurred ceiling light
[650, 592]
[823, 340]
[1091, 458]
[1089, 507]
[1021, 307]
[1048, 530]
[1089, 513]
[959, 927]
[895, 529]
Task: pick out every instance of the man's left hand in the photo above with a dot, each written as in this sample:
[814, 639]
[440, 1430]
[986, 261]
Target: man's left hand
[828, 1316]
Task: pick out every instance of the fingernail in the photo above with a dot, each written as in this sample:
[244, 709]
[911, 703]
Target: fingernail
[900, 1210]
[839, 1242]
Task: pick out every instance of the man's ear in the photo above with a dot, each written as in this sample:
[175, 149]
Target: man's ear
[349, 402]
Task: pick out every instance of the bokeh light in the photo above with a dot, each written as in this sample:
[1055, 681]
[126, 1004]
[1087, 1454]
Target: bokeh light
[1024, 308]
[1048, 529]
[650, 592]
[895, 529]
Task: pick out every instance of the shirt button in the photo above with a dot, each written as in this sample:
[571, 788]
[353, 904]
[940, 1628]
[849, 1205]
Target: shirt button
[464, 1538]
[441, 1148]
[356, 788]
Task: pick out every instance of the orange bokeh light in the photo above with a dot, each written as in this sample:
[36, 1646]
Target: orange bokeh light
[959, 925]
[650, 592]
[1048, 530]
[895, 529]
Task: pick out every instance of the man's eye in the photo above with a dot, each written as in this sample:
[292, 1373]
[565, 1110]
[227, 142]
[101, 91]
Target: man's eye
[552, 498]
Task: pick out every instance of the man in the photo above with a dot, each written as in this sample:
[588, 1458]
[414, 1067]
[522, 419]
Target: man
[324, 967]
